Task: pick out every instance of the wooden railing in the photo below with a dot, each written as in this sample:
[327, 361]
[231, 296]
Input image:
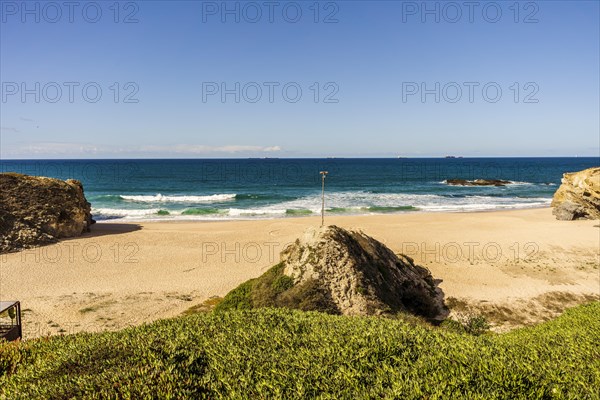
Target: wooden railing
[10, 320]
[10, 333]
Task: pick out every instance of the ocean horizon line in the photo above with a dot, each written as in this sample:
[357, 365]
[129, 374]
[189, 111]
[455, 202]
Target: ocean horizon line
[256, 188]
[303, 158]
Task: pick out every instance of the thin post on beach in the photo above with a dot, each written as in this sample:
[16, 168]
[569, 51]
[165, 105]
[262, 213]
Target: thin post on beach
[323, 174]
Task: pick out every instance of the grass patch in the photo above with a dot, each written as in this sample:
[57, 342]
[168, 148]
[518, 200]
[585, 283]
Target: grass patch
[281, 353]
[206, 306]
[275, 289]
[239, 298]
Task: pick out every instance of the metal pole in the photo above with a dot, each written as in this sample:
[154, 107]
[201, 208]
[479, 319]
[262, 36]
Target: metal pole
[323, 173]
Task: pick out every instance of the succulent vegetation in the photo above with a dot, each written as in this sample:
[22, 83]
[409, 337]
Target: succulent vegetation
[282, 353]
[281, 336]
[275, 289]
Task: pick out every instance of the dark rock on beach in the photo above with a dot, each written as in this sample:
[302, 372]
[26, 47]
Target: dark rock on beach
[477, 182]
[343, 272]
[578, 197]
[36, 211]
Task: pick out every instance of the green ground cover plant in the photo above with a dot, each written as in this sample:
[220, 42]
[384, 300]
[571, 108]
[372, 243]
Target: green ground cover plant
[282, 353]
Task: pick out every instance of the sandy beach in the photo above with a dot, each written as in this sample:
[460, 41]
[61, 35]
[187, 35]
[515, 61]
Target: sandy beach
[517, 267]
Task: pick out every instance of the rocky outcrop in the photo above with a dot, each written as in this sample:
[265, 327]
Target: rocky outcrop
[477, 182]
[578, 196]
[36, 210]
[342, 272]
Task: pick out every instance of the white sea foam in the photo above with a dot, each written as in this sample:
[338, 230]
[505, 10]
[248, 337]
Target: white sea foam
[239, 212]
[159, 198]
[359, 202]
[341, 202]
[122, 212]
[510, 183]
[519, 183]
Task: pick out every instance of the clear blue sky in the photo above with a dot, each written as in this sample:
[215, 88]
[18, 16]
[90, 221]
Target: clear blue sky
[373, 56]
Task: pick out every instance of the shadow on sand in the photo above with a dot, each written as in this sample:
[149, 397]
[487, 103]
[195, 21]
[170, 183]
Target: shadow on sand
[97, 230]
[103, 229]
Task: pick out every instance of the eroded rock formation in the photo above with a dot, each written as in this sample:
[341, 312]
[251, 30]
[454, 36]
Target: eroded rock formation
[37, 210]
[344, 272]
[578, 197]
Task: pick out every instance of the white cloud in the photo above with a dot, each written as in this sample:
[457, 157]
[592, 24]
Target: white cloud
[200, 149]
[272, 148]
[9, 129]
[73, 150]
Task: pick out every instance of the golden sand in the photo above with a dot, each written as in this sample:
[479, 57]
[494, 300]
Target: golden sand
[517, 267]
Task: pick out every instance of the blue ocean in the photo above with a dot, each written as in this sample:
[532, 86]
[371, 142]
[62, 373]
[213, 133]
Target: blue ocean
[221, 189]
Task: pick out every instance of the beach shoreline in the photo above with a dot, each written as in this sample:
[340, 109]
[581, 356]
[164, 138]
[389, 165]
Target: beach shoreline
[313, 215]
[519, 266]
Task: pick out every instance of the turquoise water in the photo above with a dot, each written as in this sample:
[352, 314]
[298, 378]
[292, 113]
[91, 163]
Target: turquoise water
[280, 188]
